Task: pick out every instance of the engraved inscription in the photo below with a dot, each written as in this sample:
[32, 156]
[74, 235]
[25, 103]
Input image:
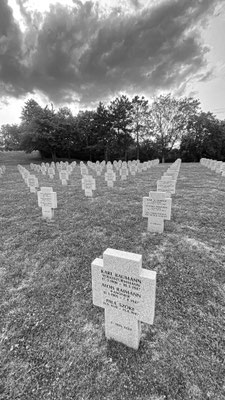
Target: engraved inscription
[121, 292]
[159, 208]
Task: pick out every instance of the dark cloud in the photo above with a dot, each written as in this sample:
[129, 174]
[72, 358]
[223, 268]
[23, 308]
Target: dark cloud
[11, 54]
[81, 52]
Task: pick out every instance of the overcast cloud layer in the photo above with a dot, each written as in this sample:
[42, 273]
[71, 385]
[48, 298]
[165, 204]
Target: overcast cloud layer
[89, 54]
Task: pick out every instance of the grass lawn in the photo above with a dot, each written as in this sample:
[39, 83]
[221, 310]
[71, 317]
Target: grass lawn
[52, 342]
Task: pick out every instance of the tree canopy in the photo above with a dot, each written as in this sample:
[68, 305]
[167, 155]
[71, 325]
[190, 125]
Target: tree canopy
[125, 128]
[168, 121]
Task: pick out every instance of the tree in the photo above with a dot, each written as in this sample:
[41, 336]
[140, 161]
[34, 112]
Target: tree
[168, 119]
[222, 124]
[139, 113]
[39, 129]
[148, 149]
[66, 132]
[103, 131]
[30, 111]
[10, 137]
[205, 137]
[216, 135]
[85, 131]
[192, 147]
[29, 116]
[120, 114]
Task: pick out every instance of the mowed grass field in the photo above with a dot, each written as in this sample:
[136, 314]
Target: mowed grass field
[52, 343]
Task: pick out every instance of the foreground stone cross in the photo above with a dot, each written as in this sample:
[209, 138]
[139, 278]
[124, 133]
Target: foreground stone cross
[127, 293]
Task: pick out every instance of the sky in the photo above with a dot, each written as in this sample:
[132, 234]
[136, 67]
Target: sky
[76, 53]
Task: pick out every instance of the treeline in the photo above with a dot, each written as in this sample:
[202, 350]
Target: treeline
[167, 128]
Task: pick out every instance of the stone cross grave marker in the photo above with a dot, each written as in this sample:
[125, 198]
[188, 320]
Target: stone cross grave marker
[69, 169]
[98, 169]
[173, 174]
[47, 200]
[145, 166]
[166, 178]
[110, 177]
[25, 174]
[88, 185]
[63, 176]
[43, 169]
[124, 172]
[167, 186]
[139, 167]
[109, 165]
[127, 293]
[218, 167]
[32, 183]
[83, 169]
[133, 169]
[156, 208]
[51, 172]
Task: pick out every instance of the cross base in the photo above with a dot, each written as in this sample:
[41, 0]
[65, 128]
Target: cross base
[155, 224]
[123, 328]
[110, 184]
[88, 192]
[47, 213]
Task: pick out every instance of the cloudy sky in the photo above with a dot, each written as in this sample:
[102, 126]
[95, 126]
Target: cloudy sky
[77, 52]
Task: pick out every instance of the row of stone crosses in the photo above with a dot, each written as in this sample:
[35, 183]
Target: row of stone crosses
[156, 207]
[120, 285]
[217, 166]
[88, 182]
